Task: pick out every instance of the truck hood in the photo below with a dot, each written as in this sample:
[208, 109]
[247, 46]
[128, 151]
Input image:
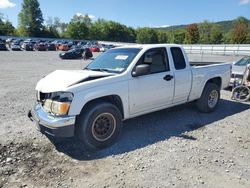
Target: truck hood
[238, 69]
[60, 80]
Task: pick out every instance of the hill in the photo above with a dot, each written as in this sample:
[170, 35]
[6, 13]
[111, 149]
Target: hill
[226, 26]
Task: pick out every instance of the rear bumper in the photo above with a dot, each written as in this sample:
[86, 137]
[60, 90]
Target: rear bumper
[52, 125]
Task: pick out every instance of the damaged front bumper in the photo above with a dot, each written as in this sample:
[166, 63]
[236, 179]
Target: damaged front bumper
[52, 125]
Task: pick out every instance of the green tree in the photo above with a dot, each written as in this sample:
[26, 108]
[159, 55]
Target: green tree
[6, 27]
[192, 34]
[111, 31]
[82, 19]
[146, 36]
[77, 28]
[87, 20]
[162, 37]
[240, 31]
[114, 31]
[97, 30]
[179, 36]
[216, 35]
[205, 32]
[31, 19]
[130, 34]
[51, 28]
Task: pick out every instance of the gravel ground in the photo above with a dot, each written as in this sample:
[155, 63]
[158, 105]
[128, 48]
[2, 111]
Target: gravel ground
[176, 147]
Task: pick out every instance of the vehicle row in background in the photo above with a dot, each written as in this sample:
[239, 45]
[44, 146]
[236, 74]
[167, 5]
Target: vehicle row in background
[51, 45]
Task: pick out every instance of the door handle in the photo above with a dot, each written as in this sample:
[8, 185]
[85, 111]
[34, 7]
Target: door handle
[168, 77]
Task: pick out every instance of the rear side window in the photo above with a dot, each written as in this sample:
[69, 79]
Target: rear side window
[179, 61]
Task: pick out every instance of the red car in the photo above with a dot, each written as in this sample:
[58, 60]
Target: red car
[94, 49]
[63, 47]
[40, 47]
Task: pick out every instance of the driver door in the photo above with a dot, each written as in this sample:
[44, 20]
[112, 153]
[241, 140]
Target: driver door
[154, 90]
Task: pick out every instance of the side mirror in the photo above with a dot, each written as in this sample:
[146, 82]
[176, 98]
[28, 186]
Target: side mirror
[140, 70]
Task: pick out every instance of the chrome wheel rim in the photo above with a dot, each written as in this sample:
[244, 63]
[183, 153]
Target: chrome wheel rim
[103, 126]
[213, 99]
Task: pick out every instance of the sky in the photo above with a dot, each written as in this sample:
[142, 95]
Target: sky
[136, 13]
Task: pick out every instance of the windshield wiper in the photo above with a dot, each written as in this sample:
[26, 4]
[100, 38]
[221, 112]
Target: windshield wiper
[99, 69]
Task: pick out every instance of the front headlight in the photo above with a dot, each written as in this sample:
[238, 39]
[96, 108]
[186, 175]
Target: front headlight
[60, 108]
[58, 103]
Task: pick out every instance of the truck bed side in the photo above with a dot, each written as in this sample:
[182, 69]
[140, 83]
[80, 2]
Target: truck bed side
[202, 74]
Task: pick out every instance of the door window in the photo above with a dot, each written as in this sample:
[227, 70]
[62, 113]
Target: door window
[157, 59]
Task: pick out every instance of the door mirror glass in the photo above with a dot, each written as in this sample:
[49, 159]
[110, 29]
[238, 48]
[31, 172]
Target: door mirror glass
[140, 70]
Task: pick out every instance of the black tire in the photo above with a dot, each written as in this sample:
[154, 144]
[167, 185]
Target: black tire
[99, 125]
[206, 103]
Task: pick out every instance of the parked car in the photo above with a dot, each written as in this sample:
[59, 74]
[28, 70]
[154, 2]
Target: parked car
[41, 46]
[82, 43]
[27, 46]
[2, 40]
[94, 49]
[15, 46]
[9, 40]
[3, 47]
[72, 54]
[239, 68]
[103, 48]
[120, 84]
[51, 47]
[63, 47]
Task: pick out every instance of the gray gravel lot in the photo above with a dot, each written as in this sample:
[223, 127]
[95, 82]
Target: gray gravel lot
[176, 147]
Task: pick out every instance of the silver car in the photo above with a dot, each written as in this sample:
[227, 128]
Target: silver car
[238, 69]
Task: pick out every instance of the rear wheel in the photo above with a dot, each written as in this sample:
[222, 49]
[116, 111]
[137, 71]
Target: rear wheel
[209, 98]
[99, 125]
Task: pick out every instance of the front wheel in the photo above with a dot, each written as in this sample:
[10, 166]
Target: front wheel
[99, 125]
[209, 99]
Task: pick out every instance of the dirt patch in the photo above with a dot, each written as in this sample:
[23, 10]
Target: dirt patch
[32, 163]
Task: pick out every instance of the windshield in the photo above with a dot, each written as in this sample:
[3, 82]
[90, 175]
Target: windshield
[114, 60]
[243, 62]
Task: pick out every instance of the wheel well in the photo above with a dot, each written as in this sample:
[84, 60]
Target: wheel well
[113, 99]
[216, 80]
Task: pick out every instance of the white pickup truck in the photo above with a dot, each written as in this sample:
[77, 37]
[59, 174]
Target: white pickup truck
[123, 83]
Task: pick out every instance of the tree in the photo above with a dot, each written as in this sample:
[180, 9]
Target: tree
[240, 31]
[114, 31]
[130, 35]
[6, 27]
[205, 32]
[146, 36]
[179, 36]
[216, 35]
[111, 31]
[31, 19]
[77, 28]
[78, 18]
[162, 37]
[97, 30]
[52, 27]
[87, 20]
[192, 34]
